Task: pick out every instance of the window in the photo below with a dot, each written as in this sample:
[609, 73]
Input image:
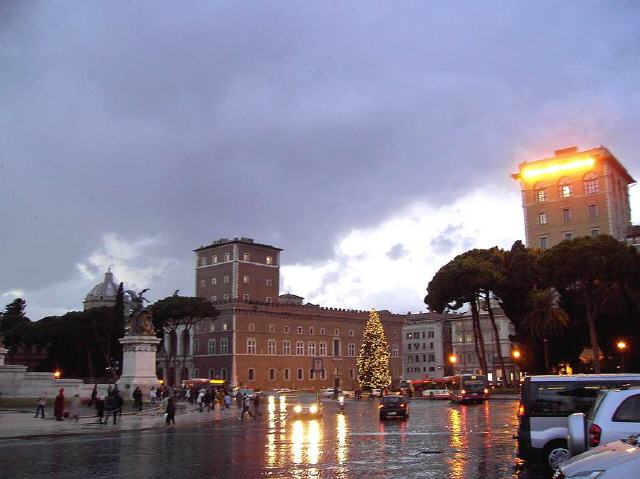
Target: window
[225, 296]
[540, 193]
[245, 279]
[351, 373]
[212, 327]
[430, 345]
[395, 335]
[395, 352]
[223, 373]
[227, 256]
[300, 374]
[590, 183]
[558, 397]
[268, 299]
[432, 357]
[595, 232]
[203, 261]
[251, 346]
[214, 281]
[312, 331]
[351, 332]
[286, 330]
[269, 260]
[272, 328]
[286, 347]
[299, 348]
[211, 346]
[214, 259]
[272, 374]
[269, 282]
[566, 214]
[311, 348]
[322, 332]
[409, 346]
[224, 346]
[196, 373]
[431, 334]
[211, 374]
[299, 329]
[568, 236]
[323, 374]
[245, 297]
[224, 326]
[565, 188]
[322, 349]
[214, 299]
[336, 348]
[271, 346]
[542, 218]
[336, 332]
[351, 349]
[629, 410]
[543, 242]
[252, 326]
[226, 279]
[245, 257]
[251, 374]
[286, 373]
[593, 211]
[202, 283]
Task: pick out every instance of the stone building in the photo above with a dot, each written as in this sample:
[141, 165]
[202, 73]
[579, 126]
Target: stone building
[574, 193]
[426, 339]
[102, 294]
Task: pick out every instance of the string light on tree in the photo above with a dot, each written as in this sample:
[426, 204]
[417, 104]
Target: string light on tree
[373, 357]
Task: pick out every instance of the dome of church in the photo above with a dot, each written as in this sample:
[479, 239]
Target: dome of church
[102, 294]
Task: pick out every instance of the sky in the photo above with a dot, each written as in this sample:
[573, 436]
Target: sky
[372, 141]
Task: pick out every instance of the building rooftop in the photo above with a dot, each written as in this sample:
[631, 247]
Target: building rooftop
[241, 240]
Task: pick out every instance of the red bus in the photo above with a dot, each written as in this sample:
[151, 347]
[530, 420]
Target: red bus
[432, 388]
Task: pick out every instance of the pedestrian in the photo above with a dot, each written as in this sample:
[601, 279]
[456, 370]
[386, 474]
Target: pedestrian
[94, 395]
[100, 409]
[74, 411]
[246, 407]
[117, 405]
[200, 399]
[109, 406]
[42, 402]
[208, 402]
[187, 395]
[256, 405]
[170, 412]
[58, 406]
[239, 400]
[152, 395]
[137, 399]
[227, 401]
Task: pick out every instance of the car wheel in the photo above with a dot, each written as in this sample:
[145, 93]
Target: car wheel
[556, 453]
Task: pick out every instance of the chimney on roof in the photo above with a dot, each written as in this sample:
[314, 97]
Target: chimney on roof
[566, 151]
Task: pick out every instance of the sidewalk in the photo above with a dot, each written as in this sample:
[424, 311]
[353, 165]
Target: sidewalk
[21, 424]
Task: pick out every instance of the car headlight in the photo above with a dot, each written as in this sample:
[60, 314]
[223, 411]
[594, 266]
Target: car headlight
[587, 475]
[313, 409]
[297, 408]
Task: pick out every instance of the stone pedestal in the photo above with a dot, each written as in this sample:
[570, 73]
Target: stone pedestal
[138, 363]
[3, 353]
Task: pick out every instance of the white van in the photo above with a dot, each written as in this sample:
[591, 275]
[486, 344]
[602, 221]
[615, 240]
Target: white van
[545, 404]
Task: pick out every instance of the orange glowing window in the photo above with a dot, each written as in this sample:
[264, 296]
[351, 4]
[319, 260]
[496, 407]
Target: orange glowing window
[554, 168]
[591, 183]
[565, 188]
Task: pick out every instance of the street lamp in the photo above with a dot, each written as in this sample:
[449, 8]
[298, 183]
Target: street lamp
[453, 359]
[516, 354]
[622, 346]
[57, 374]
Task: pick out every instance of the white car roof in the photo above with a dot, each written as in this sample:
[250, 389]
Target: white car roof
[585, 377]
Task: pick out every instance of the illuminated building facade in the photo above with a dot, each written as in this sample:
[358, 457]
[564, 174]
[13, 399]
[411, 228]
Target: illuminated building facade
[426, 346]
[573, 194]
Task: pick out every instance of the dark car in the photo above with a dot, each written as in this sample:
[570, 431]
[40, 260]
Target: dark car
[393, 406]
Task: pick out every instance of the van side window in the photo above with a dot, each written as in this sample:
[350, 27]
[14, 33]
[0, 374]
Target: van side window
[629, 410]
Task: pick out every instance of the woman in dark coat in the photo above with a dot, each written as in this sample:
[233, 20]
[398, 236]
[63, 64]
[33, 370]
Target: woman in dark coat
[171, 411]
[58, 407]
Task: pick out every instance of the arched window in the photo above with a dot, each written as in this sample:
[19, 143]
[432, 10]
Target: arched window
[590, 183]
[395, 351]
[186, 343]
[196, 373]
[271, 346]
[540, 192]
[312, 374]
[211, 374]
[300, 374]
[223, 373]
[323, 374]
[211, 346]
[287, 374]
[565, 188]
[251, 374]
[272, 374]
[224, 346]
[351, 373]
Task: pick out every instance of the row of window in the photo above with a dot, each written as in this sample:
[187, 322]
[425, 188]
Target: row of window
[543, 217]
[229, 256]
[300, 330]
[565, 187]
[245, 297]
[286, 374]
[421, 358]
[416, 346]
[544, 240]
[212, 346]
[424, 370]
[225, 280]
[416, 335]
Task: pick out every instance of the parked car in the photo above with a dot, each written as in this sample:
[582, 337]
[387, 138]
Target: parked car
[307, 404]
[545, 405]
[616, 460]
[393, 406]
[615, 415]
[376, 393]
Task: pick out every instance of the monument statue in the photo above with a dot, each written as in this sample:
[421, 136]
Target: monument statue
[139, 318]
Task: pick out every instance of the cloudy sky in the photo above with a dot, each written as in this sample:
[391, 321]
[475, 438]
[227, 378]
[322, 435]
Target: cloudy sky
[371, 140]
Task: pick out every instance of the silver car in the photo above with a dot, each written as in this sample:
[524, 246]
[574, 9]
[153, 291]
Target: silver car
[616, 460]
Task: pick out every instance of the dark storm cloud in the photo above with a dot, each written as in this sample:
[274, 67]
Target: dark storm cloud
[288, 122]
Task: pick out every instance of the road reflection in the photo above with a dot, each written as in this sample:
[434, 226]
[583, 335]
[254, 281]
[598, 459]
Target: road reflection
[457, 442]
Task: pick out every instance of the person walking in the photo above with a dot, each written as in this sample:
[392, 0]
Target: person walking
[42, 402]
[137, 399]
[239, 400]
[74, 410]
[94, 396]
[246, 407]
[200, 399]
[58, 406]
[117, 401]
[152, 395]
[227, 401]
[100, 409]
[256, 405]
[170, 412]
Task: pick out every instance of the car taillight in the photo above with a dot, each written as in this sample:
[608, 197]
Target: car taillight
[403, 405]
[463, 391]
[594, 435]
[486, 391]
[521, 410]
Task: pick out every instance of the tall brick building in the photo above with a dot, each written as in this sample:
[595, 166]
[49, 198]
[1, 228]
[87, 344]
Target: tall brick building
[264, 340]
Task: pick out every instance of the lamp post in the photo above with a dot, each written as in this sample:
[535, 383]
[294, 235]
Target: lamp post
[516, 354]
[622, 346]
[453, 359]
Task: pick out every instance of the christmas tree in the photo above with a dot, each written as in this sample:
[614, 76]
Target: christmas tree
[373, 358]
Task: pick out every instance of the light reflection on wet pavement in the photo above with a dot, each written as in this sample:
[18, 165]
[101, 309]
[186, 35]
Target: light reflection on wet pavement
[439, 440]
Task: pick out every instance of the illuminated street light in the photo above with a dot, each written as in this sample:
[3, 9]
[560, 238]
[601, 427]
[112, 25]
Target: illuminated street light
[622, 346]
[453, 359]
[57, 374]
[516, 354]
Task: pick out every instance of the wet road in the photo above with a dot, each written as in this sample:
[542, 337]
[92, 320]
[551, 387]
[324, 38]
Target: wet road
[440, 440]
